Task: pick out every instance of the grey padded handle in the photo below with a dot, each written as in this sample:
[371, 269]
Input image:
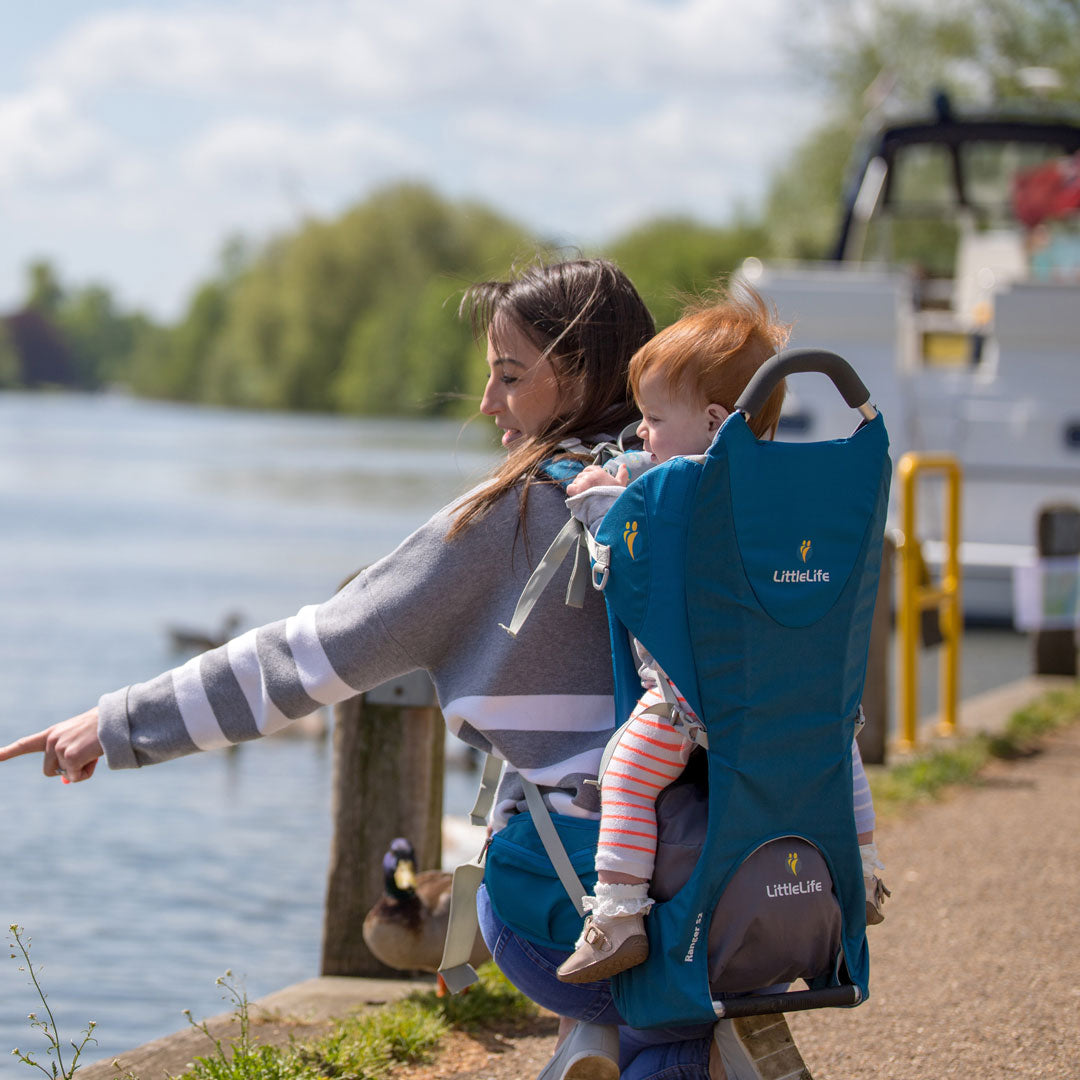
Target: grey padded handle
[792, 361]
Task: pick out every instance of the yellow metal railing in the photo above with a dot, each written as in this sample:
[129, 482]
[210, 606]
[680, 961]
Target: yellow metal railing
[918, 595]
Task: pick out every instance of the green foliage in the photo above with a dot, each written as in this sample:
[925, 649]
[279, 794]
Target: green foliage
[366, 1046]
[979, 51]
[671, 260]
[928, 775]
[803, 204]
[1029, 724]
[43, 288]
[491, 1000]
[10, 368]
[371, 1044]
[56, 1068]
[359, 314]
[240, 1058]
[101, 337]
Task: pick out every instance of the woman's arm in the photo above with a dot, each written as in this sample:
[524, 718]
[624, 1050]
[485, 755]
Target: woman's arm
[264, 679]
[382, 624]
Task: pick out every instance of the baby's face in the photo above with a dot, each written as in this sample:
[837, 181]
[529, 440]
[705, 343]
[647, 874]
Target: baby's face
[673, 423]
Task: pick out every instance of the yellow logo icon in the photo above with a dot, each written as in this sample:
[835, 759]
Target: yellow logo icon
[793, 862]
[804, 550]
[630, 534]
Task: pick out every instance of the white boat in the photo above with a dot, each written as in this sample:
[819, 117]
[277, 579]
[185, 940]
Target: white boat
[955, 292]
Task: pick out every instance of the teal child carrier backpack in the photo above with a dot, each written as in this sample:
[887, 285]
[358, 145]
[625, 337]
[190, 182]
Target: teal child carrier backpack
[750, 575]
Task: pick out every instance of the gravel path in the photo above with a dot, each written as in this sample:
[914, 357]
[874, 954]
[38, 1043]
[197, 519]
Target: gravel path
[976, 969]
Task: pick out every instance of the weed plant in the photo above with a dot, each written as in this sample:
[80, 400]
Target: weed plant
[56, 1068]
[240, 1058]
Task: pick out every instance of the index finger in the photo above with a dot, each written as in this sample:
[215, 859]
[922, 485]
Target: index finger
[30, 744]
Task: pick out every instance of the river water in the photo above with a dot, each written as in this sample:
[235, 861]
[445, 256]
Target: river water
[121, 518]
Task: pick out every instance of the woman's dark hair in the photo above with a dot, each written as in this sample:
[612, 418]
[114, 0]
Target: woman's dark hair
[587, 320]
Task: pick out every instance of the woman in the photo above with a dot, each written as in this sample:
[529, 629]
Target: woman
[559, 339]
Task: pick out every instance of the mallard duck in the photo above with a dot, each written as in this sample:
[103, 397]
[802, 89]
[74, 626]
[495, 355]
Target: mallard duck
[406, 929]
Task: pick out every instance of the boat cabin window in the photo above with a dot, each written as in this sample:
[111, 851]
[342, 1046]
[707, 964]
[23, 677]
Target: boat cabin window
[930, 207]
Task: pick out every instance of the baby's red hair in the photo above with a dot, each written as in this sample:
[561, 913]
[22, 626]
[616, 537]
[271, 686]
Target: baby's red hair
[713, 351]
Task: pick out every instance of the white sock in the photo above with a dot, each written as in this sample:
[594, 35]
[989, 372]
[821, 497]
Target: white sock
[613, 901]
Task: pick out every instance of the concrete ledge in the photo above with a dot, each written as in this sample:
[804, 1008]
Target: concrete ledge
[302, 1011]
[988, 713]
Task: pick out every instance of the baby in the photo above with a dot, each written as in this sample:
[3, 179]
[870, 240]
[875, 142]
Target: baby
[685, 381]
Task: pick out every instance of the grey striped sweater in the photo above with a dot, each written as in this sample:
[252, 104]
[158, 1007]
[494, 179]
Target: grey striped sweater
[542, 702]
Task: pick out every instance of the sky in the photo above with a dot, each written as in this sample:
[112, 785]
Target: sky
[136, 137]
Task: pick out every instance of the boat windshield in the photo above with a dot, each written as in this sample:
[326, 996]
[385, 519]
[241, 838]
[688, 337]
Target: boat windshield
[937, 194]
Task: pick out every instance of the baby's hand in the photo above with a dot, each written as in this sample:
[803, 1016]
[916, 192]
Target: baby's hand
[593, 476]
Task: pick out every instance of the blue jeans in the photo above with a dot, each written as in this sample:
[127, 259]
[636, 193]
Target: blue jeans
[655, 1054]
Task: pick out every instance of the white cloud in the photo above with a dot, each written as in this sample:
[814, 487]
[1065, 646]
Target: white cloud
[177, 124]
[676, 158]
[255, 151]
[44, 140]
[416, 49]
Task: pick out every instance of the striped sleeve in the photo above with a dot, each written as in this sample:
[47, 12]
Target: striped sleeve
[260, 681]
[860, 789]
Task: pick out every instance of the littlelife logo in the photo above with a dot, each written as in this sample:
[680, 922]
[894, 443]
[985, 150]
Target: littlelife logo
[797, 576]
[789, 888]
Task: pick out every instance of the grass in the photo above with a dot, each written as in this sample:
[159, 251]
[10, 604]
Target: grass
[365, 1046]
[928, 775]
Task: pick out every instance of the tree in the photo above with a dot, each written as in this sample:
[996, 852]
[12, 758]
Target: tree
[359, 313]
[981, 52]
[43, 291]
[10, 365]
[674, 259]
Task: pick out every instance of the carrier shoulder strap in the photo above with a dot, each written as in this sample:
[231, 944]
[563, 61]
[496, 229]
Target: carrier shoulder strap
[573, 536]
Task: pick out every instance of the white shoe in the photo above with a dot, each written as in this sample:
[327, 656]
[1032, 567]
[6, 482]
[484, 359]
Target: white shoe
[589, 1052]
[759, 1048]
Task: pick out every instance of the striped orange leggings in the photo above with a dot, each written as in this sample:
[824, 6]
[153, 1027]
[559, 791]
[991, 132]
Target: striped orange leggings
[650, 754]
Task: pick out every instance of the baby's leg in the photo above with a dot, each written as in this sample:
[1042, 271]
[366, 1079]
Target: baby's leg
[650, 754]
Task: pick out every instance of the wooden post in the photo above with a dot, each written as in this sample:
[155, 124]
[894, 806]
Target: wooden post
[388, 782]
[874, 735]
[1058, 534]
